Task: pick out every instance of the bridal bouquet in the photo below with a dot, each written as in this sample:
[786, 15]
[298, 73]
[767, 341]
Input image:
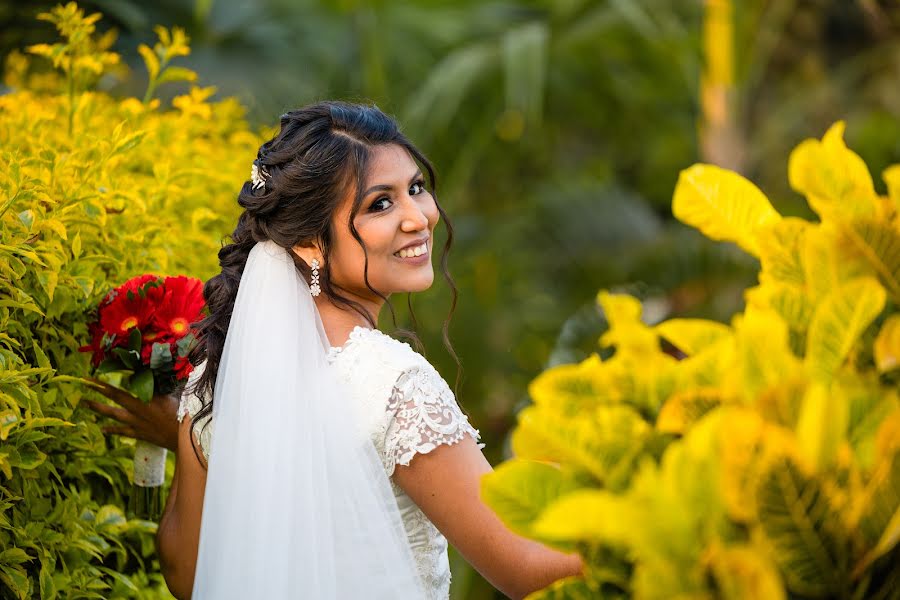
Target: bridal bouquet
[141, 340]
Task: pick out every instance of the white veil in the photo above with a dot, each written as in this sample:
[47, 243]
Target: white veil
[297, 503]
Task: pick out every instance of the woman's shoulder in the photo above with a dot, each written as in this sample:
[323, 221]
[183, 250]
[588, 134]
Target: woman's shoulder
[373, 348]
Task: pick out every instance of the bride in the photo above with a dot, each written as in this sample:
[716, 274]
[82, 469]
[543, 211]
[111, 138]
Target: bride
[341, 464]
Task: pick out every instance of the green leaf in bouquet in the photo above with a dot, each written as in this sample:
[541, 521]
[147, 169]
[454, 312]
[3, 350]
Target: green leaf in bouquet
[161, 356]
[134, 340]
[129, 358]
[186, 344]
[141, 385]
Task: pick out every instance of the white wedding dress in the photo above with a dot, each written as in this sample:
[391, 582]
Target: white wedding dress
[408, 409]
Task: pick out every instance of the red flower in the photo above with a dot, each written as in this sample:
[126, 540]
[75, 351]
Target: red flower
[96, 345]
[182, 305]
[183, 367]
[162, 309]
[126, 311]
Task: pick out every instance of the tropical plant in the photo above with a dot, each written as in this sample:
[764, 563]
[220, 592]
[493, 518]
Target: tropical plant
[759, 459]
[93, 190]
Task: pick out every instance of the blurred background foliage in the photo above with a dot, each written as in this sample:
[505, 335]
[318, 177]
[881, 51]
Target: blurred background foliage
[558, 128]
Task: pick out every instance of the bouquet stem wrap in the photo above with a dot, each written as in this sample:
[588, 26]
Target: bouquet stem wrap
[149, 476]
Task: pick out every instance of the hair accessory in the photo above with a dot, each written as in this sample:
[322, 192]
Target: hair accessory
[314, 288]
[258, 176]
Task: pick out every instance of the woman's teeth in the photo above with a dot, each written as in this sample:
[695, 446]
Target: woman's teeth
[411, 252]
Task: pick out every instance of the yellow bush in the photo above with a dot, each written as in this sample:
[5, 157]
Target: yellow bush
[93, 190]
[766, 463]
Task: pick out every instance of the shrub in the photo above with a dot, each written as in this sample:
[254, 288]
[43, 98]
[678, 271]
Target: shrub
[766, 462]
[93, 190]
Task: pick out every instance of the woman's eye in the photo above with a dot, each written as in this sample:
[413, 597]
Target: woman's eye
[378, 206]
[417, 188]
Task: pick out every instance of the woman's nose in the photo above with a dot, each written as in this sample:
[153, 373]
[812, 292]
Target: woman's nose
[414, 218]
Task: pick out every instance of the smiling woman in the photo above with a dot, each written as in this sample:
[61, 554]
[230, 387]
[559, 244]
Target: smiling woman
[345, 445]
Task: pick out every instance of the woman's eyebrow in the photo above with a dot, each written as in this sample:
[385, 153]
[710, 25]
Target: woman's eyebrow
[384, 187]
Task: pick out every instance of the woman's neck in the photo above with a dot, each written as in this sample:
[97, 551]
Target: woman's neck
[339, 321]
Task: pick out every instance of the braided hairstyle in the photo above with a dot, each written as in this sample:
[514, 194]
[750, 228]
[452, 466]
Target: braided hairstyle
[321, 153]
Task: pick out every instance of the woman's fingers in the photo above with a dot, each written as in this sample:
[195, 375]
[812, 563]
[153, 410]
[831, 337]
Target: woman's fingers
[119, 414]
[130, 402]
[120, 430]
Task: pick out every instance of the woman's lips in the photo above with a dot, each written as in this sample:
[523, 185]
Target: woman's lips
[411, 258]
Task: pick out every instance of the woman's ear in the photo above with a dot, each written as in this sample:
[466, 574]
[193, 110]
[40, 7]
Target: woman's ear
[308, 253]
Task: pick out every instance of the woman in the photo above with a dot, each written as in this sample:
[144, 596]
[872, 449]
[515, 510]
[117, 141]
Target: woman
[341, 192]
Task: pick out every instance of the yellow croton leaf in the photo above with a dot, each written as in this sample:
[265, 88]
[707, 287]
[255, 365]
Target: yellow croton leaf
[834, 179]
[830, 260]
[891, 177]
[822, 425]
[603, 442]
[838, 322]
[780, 252]
[743, 572]
[684, 408]
[529, 441]
[692, 335]
[519, 490]
[570, 389]
[627, 332]
[589, 515]
[877, 243]
[763, 357]
[887, 345]
[723, 205]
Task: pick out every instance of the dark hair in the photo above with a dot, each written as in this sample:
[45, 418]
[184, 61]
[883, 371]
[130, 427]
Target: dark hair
[322, 151]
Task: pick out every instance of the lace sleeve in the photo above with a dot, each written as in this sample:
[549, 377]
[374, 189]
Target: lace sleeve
[189, 404]
[423, 414]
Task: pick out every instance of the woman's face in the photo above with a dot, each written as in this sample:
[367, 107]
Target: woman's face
[396, 222]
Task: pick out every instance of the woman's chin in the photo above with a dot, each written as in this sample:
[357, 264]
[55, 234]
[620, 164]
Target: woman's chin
[418, 284]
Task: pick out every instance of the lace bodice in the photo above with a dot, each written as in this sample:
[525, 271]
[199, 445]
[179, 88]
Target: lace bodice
[408, 409]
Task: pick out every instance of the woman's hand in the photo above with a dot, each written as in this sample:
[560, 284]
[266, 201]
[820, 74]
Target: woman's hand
[154, 422]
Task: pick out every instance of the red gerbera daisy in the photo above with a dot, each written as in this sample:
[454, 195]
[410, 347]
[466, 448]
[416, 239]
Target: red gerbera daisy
[131, 305]
[182, 305]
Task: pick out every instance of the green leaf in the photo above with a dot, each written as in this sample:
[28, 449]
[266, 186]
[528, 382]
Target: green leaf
[141, 385]
[879, 523]
[45, 579]
[161, 356]
[804, 531]
[16, 580]
[519, 490]
[134, 340]
[29, 457]
[76, 245]
[129, 358]
[569, 588]
[39, 355]
[14, 556]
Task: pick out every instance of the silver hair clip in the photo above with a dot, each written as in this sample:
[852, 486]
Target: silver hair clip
[258, 176]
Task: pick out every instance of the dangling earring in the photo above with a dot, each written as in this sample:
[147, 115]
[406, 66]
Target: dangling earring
[314, 288]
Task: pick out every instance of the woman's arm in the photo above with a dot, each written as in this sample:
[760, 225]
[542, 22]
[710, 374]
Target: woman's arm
[178, 536]
[445, 484]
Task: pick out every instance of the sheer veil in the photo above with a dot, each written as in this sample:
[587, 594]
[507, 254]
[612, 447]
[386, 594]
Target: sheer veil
[297, 503]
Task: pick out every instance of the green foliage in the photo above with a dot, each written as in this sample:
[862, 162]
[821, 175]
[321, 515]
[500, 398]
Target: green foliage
[93, 191]
[765, 462]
